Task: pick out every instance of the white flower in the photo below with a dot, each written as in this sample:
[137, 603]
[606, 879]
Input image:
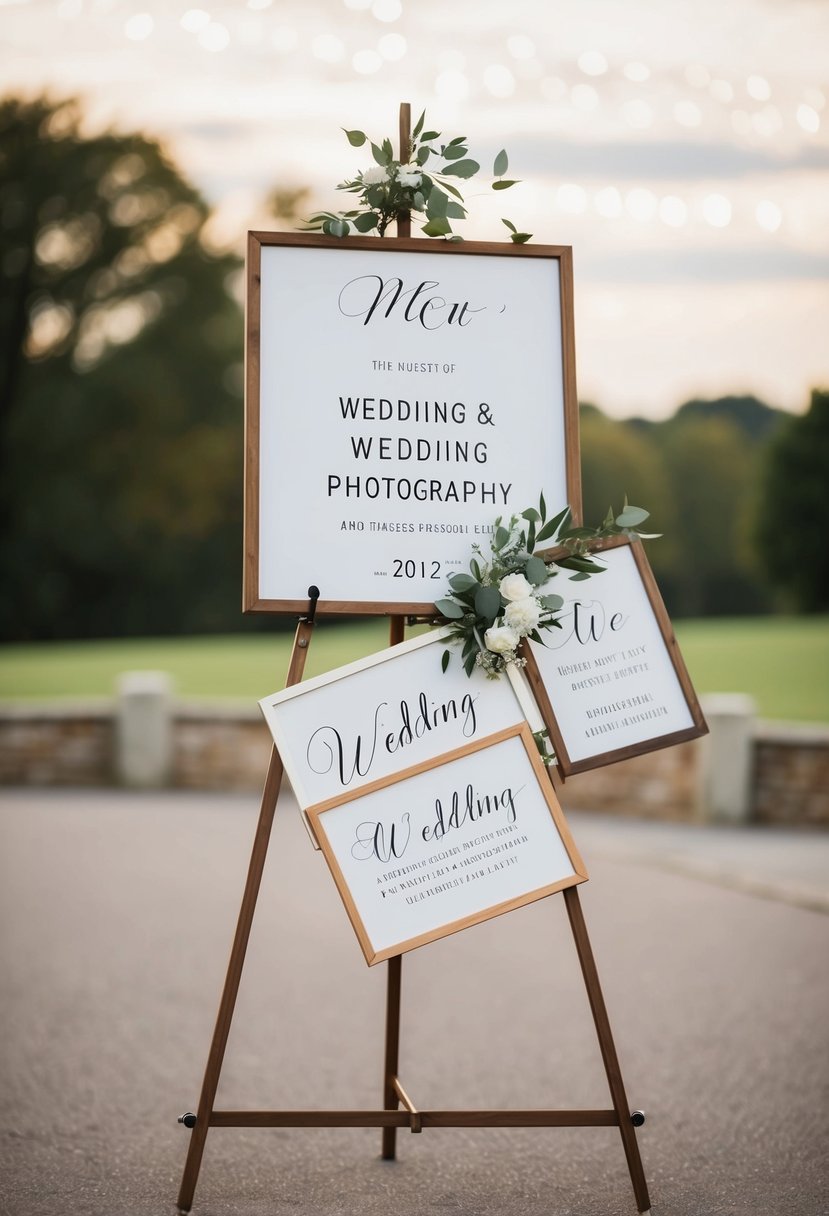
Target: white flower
[500, 639]
[409, 176]
[374, 176]
[523, 615]
[515, 587]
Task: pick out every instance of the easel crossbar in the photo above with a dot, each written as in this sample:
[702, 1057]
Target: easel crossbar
[401, 1118]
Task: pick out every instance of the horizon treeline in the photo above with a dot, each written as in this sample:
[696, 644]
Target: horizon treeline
[121, 339]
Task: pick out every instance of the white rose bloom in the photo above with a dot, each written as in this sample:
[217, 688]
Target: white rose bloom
[515, 587]
[500, 639]
[374, 176]
[523, 615]
[409, 175]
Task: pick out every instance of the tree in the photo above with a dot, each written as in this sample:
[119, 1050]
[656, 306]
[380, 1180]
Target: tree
[793, 517]
[120, 388]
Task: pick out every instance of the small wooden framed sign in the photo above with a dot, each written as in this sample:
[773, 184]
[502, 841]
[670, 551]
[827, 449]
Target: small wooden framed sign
[448, 843]
[611, 683]
[373, 718]
[400, 394]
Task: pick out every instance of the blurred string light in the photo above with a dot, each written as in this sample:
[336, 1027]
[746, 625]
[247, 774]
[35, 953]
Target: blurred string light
[637, 71]
[366, 62]
[592, 63]
[768, 215]
[673, 211]
[194, 19]
[392, 46]
[758, 88]
[687, 113]
[641, 204]
[716, 210]
[139, 26]
[521, 47]
[499, 80]
[808, 119]
[284, 38]
[608, 203]
[387, 10]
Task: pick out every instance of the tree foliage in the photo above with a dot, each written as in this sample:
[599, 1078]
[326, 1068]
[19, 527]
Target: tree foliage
[120, 388]
[793, 519]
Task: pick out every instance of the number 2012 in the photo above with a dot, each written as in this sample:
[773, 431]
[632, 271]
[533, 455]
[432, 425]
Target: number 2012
[413, 569]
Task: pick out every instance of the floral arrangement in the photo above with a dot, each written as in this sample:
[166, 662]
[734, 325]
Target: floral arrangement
[505, 598]
[426, 185]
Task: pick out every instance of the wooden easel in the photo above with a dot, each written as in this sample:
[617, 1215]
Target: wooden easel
[391, 1117]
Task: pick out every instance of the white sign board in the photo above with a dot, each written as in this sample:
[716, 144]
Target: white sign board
[611, 683]
[380, 715]
[447, 844]
[400, 396]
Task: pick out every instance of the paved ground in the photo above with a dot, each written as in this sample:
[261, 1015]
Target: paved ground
[117, 914]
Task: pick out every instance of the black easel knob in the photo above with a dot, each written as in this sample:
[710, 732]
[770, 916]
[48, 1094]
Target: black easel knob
[189, 1120]
[637, 1118]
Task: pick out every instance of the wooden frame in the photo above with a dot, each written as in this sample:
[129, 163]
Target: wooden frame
[548, 696]
[330, 730]
[306, 439]
[499, 847]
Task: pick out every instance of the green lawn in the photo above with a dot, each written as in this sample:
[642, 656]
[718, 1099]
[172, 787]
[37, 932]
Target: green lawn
[783, 662]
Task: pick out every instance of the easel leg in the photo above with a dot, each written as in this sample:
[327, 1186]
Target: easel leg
[240, 944]
[391, 1063]
[611, 1062]
[390, 1099]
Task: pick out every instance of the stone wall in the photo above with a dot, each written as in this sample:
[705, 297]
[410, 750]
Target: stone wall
[219, 747]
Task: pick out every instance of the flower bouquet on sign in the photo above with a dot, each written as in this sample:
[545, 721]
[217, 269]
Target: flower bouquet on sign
[507, 596]
[427, 184]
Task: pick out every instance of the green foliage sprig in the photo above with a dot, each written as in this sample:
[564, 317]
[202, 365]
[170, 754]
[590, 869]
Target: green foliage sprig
[390, 187]
[505, 598]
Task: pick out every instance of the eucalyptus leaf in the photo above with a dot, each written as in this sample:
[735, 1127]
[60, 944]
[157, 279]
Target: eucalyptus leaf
[521, 238]
[552, 602]
[509, 225]
[448, 186]
[501, 164]
[356, 138]
[423, 154]
[419, 125]
[502, 184]
[535, 572]
[631, 516]
[429, 135]
[459, 139]
[501, 537]
[437, 204]
[551, 528]
[579, 578]
[532, 514]
[488, 603]
[380, 156]
[449, 609]
[469, 663]
[437, 227]
[475, 568]
[338, 228]
[462, 582]
[366, 221]
[455, 211]
[444, 660]
[454, 153]
[462, 168]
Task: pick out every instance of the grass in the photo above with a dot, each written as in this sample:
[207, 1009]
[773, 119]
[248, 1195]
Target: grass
[783, 662]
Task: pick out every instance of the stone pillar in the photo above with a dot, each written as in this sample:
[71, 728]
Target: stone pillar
[143, 734]
[727, 758]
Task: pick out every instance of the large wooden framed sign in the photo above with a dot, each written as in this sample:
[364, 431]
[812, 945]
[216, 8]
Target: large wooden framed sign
[447, 843]
[400, 394]
[612, 683]
[383, 714]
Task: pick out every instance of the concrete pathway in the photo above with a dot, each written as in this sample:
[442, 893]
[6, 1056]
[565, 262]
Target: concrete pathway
[117, 916]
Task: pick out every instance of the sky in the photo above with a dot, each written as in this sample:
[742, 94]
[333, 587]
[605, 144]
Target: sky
[680, 147]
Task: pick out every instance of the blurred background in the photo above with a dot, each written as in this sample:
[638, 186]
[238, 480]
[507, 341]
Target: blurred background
[683, 150]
